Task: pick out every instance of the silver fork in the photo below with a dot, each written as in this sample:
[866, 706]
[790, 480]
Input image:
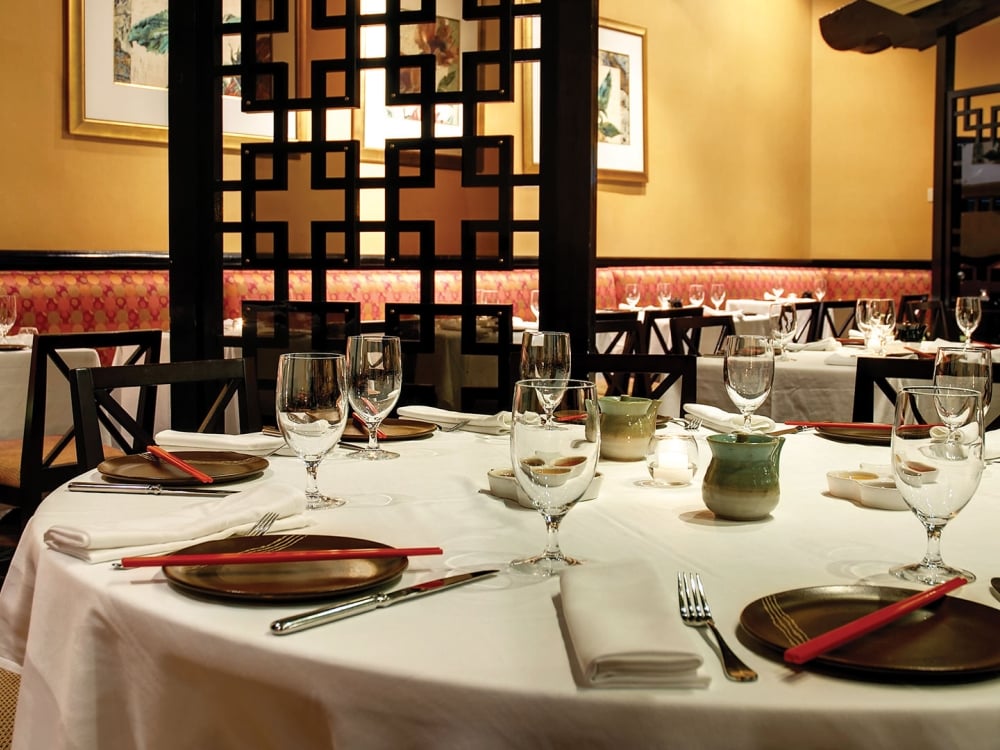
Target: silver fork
[453, 427]
[693, 423]
[696, 613]
[263, 524]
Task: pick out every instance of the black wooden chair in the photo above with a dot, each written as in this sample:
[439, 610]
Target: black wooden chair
[655, 321]
[39, 462]
[214, 383]
[645, 375]
[807, 321]
[686, 332]
[931, 314]
[883, 373]
[618, 334]
[836, 316]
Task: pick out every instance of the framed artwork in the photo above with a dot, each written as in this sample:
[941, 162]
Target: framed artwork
[117, 59]
[621, 102]
[375, 122]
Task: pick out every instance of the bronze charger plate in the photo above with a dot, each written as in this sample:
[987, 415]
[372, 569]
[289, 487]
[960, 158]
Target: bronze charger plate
[222, 466]
[862, 435]
[951, 640]
[394, 429]
[292, 581]
[13, 347]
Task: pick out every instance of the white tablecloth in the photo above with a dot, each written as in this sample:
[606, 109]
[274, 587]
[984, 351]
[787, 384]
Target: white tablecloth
[120, 659]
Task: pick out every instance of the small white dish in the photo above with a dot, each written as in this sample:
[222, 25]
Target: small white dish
[882, 494]
[847, 484]
[504, 485]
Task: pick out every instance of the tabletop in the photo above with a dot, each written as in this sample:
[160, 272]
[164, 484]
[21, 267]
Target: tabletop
[125, 660]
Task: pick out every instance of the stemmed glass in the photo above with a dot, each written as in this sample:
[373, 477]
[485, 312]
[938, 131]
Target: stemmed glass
[718, 294]
[534, 303]
[554, 465]
[937, 475]
[664, 294]
[696, 294]
[972, 368]
[310, 402]
[968, 314]
[748, 369]
[632, 295]
[8, 314]
[784, 322]
[861, 319]
[882, 321]
[819, 288]
[375, 376]
[546, 355]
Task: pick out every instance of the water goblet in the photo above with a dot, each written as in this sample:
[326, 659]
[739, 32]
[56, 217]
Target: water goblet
[748, 371]
[968, 314]
[8, 314]
[632, 295]
[664, 294]
[546, 355]
[718, 294]
[972, 368]
[534, 303]
[696, 294]
[311, 407]
[937, 474]
[783, 320]
[861, 319]
[672, 460]
[819, 288]
[375, 376]
[554, 465]
[882, 322]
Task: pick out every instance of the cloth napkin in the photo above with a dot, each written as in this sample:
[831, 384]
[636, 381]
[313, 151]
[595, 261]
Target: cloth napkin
[251, 443]
[724, 421]
[625, 630]
[828, 344]
[191, 524]
[520, 324]
[489, 424]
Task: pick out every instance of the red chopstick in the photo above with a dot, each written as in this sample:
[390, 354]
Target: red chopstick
[863, 625]
[852, 425]
[303, 555]
[184, 466]
[364, 427]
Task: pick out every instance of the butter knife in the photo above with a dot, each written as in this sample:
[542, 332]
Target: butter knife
[360, 604]
[148, 489]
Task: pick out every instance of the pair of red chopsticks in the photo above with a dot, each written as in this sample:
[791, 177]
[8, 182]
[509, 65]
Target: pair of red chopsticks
[364, 428]
[863, 625]
[180, 463]
[303, 555]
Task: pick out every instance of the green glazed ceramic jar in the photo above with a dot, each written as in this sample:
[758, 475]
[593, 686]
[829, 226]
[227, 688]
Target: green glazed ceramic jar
[741, 482]
[627, 424]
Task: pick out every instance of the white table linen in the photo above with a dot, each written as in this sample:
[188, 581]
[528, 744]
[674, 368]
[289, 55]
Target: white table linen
[120, 659]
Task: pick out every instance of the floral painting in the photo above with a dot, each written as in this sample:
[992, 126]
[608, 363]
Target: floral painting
[140, 42]
[613, 98]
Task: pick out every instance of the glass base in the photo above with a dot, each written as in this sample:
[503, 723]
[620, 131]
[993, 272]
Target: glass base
[932, 575]
[542, 565]
[321, 502]
[660, 484]
[379, 454]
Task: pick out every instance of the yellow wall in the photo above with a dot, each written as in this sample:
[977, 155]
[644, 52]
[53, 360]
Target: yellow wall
[796, 151]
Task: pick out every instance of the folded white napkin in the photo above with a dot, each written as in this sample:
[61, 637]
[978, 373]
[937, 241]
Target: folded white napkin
[720, 420]
[490, 424]
[843, 357]
[191, 524]
[520, 324]
[251, 443]
[828, 344]
[626, 631]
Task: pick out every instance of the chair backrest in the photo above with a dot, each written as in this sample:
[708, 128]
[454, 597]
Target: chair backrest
[685, 333]
[807, 326]
[47, 460]
[836, 317]
[656, 327]
[271, 329]
[645, 375]
[930, 313]
[98, 413]
[880, 373]
[618, 334]
[903, 312]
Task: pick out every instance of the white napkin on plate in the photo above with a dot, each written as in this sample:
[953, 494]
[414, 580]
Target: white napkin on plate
[490, 424]
[626, 631]
[720, 420]
[187, 525]
[251, 443]
[829, 344]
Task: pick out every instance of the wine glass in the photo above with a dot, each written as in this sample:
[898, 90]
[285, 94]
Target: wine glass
[882, 321]
[696, 294]
[632, 295]
[8, 314]
[554, 465]
[861, 319]
[968, 314]
[936, 475]
[534, 303]
[375, 375]
[718, 294]
[972, 368]
[748, 369]
[819, 288]
[546, 355]
[784, 322]
[310, 402]
[664, 294]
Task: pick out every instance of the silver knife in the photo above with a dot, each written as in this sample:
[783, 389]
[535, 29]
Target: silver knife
[356, 606]
[148, 489]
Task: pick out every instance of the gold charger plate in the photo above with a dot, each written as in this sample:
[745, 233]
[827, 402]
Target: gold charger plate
[284, 581]
[948, 640]
[222, 466]
[13, 347]
[862, 435]
[394, 429]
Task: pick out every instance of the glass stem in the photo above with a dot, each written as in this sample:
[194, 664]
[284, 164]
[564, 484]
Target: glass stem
[312, 483]
[552, 536]
[372, 436]
[933, 556]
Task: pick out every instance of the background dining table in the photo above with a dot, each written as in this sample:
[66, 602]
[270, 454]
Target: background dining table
[112, 658]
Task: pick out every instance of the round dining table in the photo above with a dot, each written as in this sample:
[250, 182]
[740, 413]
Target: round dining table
[123, 658]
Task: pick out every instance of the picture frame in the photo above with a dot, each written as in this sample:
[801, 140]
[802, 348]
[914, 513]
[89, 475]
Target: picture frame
[101, 106]
[621, 102]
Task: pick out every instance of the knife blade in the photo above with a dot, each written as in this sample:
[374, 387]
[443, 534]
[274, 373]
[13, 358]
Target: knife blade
[358, 605]
[148, 489]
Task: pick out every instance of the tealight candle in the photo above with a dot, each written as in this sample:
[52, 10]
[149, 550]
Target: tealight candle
[672, 460]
